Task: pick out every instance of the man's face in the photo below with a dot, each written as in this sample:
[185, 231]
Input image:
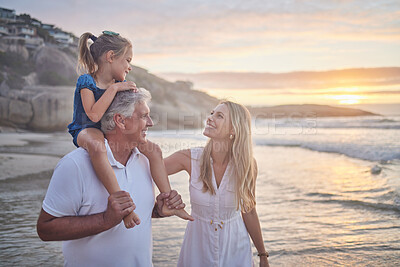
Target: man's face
[137, 125]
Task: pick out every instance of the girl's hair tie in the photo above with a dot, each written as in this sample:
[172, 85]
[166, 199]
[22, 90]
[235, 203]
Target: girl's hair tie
[110, 33]
[93, 38]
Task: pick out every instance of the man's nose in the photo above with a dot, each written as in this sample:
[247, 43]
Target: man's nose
[149, 122]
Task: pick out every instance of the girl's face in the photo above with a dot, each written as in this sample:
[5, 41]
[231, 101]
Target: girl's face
[121, 66]
[218, 123]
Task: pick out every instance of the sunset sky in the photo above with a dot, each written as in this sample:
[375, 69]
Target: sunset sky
[194, 36]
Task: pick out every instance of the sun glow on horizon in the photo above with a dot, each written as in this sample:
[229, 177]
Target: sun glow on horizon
[348, 99]
[333, 96]
[349, 102]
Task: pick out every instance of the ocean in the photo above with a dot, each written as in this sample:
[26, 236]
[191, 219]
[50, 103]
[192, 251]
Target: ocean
[328, 192]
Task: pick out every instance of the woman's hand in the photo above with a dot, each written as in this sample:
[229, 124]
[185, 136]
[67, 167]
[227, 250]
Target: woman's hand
[124, 86]
[264, 261]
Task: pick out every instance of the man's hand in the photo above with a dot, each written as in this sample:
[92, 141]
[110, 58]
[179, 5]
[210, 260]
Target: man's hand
[120, 204]
[171, 203]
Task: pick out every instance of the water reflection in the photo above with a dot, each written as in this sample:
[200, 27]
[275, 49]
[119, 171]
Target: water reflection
[316, 209]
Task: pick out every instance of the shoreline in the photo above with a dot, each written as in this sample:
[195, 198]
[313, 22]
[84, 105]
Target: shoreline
[58, 144]
[292, 111]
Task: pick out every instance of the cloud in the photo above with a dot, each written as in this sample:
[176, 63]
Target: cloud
[231, 32]
[325, 82]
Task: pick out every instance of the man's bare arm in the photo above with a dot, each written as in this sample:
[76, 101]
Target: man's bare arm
[50, 228]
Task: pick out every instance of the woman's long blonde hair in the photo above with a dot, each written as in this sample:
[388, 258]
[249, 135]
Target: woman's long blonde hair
[241, 157]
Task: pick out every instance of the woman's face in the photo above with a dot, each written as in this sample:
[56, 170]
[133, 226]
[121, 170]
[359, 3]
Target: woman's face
[218, 124]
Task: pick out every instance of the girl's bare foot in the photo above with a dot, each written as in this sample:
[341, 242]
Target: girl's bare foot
[131, 220]
[181, 213]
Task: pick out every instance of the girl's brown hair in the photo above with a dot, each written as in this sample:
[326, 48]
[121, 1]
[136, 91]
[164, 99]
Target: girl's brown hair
[89, 55]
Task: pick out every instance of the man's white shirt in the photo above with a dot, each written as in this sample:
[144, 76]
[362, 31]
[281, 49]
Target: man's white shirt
[75, 190]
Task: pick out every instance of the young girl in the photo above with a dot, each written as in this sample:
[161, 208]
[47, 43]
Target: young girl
[107, 62]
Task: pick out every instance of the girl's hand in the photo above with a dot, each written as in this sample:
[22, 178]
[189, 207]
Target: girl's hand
[124, 86]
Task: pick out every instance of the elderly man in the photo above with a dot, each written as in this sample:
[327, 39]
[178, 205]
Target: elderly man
[76, 210]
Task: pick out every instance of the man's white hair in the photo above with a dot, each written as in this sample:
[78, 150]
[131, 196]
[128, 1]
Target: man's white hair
[124, 103]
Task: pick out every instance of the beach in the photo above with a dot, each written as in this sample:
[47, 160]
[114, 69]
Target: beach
[318, 202]
[320, 79]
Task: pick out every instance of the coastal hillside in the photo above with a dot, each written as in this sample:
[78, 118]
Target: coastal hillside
[37, 87]
[308, 110]
[38, 75]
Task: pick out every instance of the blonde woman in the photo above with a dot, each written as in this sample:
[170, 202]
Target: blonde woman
[222, 193]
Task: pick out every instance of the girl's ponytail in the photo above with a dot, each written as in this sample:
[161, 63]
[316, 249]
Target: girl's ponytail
[86, 63]
[89, 58]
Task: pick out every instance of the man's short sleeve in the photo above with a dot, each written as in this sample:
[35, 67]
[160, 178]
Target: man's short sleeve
[65, 192]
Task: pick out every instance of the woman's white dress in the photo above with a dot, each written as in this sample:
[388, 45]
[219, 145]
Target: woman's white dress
[218, 235]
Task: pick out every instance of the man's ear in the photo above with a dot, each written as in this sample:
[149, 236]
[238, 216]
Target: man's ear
[119, 121]
[110, 56]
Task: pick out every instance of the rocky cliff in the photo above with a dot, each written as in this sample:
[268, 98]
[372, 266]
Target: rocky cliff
[37, 87]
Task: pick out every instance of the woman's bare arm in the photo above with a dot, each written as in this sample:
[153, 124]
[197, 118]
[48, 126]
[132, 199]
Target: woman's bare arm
[179, 161]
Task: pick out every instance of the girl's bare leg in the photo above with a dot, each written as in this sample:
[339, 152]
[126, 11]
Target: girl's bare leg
[159, 173]
[92, 140]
